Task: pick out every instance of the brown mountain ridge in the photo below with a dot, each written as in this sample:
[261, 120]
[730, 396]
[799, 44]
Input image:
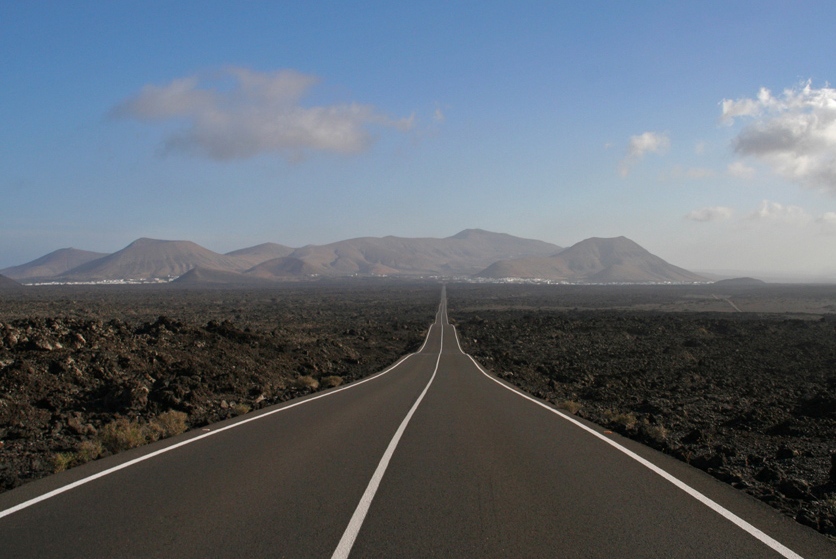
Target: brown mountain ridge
[53, 264]
[594, 260]
[470, 253]
[8, 283]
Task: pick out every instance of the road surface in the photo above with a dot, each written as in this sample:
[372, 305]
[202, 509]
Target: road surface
[430, 458]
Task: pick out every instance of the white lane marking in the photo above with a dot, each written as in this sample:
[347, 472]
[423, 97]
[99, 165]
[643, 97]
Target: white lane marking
[103, 473]
[716, 507]
[438, 313]
[356, 522]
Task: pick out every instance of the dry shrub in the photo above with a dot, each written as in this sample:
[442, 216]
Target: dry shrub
[626, 421]
[332, 381]
[170, 423]
[85, 452]
[240, 409]
[88, 450]
[123, 434]
[571, 406]
[62, 461]
[654, 433]
[306, 381]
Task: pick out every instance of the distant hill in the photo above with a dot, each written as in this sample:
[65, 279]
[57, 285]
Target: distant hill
[253, 256]
[205, 277]
[151, 258]
[472, 252]
[290, 267]
[740, 282]
[594, 260]
[8, 283]
[51, 265]
[463, 254]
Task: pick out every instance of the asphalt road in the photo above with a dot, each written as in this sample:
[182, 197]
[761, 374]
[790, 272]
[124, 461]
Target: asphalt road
[430, 458]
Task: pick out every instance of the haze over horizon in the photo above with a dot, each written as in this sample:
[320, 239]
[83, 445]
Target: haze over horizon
[705, 132]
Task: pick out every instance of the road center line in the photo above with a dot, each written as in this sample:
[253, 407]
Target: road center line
[144, 457]
[716, 507]
[356, 522]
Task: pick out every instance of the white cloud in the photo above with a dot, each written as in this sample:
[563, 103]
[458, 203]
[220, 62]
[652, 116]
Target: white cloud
[779, 213]
[827, 223]
[746, 107]
[648, 142]
[253, 113]
[795, 133]
[741, 170]
[717, 213]
[769, 214]
[828, 218]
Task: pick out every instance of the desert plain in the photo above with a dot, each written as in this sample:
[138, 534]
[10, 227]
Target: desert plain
[739, 380]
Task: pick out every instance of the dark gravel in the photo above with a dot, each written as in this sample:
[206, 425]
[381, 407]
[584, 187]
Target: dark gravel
[748, 397]
[75, 362]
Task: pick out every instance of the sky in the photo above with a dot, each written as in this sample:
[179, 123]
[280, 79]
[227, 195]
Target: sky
[704, 131]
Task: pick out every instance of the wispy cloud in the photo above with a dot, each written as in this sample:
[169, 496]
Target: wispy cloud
[827, 223]
[740, 170]
[438, 115]
[245, 113]
[769, 214]
[794, 133]
[828, 217]
[779, 213]
[717, 213]
[648, 142]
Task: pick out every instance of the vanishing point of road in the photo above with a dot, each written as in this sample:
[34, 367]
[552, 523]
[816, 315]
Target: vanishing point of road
[433, 457]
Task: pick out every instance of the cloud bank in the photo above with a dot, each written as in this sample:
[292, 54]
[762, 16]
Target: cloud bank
[648, 142]
[770, 214]
[775, 212]
[246, 113]
[794, 133]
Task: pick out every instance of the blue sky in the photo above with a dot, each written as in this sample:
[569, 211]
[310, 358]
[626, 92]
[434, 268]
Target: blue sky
[706, 132]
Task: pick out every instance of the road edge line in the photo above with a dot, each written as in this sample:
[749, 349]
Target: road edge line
[758, 534]
[64, 488]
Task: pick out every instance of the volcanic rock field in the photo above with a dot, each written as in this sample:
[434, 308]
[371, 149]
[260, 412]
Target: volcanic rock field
[749, 397]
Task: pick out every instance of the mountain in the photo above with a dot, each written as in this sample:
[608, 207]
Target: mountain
[470, 252]
[8, 283]
[463, 254]
[595, 260]
[744, 281]
[53, 264]
[206, 277]
[151, 258]
[253, 256]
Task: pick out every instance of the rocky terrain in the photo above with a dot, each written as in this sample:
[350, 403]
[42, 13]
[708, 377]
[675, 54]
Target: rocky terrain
[748, 397]
[89, 372]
